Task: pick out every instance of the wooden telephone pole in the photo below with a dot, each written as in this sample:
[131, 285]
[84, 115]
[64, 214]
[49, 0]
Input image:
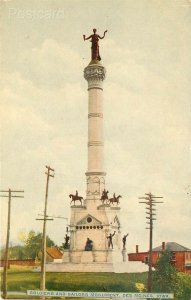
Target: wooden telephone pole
[45, 218]
[150, 204]
[10, 196]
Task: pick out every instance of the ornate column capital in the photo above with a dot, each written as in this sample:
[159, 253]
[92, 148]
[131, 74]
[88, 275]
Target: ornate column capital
[94, 74]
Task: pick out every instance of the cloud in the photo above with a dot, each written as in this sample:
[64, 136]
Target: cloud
[147, 132]
[41, 127]
[50, 127]
[52, 64]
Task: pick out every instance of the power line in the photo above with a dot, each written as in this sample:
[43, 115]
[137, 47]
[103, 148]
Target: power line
[151, 216]
[55, 217]
[50, 218]
[9, 196]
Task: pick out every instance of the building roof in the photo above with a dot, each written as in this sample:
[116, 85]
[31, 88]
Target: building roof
[54, 252]
[172, 246]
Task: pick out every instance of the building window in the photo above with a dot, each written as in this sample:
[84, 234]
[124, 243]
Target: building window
[146, 260]
[89, 219]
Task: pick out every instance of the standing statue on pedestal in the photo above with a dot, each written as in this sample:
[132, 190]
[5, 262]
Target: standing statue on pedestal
[95, 43]
[110, 240]
[124, 241]
[66, 244]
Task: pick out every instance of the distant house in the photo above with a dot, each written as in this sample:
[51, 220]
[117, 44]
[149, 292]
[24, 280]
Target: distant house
[53, 255]
[181, 256]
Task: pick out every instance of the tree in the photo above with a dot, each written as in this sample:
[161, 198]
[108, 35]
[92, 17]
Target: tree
[15, 252]
[185, 286]
[165, 277]
[33, 244]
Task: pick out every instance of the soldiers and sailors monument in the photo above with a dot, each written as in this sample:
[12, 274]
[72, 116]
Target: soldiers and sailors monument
[94, 237]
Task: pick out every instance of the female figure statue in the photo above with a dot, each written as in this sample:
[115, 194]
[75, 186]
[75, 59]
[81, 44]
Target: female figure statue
[95, 43]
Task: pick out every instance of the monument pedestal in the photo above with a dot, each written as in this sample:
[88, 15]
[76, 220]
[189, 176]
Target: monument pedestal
[81, 267]
[87, 256]
[124, 254]
[66, 256]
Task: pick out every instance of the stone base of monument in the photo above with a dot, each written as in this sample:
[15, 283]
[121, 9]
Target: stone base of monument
[115, 264]
[83, 261]
[81, 256]
[124, 254]
[66, 256]
[87, 256]
[80, 267]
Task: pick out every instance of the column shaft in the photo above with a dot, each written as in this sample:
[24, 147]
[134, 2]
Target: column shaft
[95, 131]
[95, 74]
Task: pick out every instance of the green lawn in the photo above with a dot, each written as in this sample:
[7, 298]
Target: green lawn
[22, 279]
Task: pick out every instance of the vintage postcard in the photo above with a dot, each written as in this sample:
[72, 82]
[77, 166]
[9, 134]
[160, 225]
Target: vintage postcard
[95, 149]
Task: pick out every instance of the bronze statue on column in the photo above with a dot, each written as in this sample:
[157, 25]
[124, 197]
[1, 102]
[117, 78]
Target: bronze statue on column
[95, 44]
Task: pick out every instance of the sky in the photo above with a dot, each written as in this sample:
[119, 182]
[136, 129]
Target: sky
[147, 115]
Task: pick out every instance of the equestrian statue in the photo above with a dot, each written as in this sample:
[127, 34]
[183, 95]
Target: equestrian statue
[114, 199]
[104, 196]
[75, 198]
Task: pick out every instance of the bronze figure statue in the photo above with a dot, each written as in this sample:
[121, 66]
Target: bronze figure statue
[76, 198]
[114, 199]
[95, 43]
[66, 244]
[124, 241]
[104, 196]
[89, 245]
[110, 240]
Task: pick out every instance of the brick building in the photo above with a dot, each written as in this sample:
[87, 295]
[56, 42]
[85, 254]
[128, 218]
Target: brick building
[18, 262]
[181, 256]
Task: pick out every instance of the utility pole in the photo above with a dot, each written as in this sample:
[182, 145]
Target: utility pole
[151, 216]
[9, 196]
[45, 218]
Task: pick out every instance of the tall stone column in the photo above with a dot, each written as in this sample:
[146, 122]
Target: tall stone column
[94, 73]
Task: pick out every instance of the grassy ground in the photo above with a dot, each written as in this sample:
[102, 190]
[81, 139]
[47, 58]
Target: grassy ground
[23, 278]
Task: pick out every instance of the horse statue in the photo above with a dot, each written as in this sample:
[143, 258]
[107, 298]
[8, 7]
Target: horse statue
[114, 200]
[75, 198]
[104, 196]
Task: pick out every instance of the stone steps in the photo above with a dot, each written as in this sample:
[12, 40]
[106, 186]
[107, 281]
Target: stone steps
[85, 267]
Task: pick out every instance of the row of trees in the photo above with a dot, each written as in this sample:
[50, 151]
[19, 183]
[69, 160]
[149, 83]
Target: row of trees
[31, 244]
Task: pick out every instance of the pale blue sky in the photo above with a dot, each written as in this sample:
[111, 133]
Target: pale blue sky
[147, 54]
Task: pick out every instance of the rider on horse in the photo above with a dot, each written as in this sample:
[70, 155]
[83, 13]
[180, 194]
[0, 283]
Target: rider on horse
[75, 198]
[104, 195]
